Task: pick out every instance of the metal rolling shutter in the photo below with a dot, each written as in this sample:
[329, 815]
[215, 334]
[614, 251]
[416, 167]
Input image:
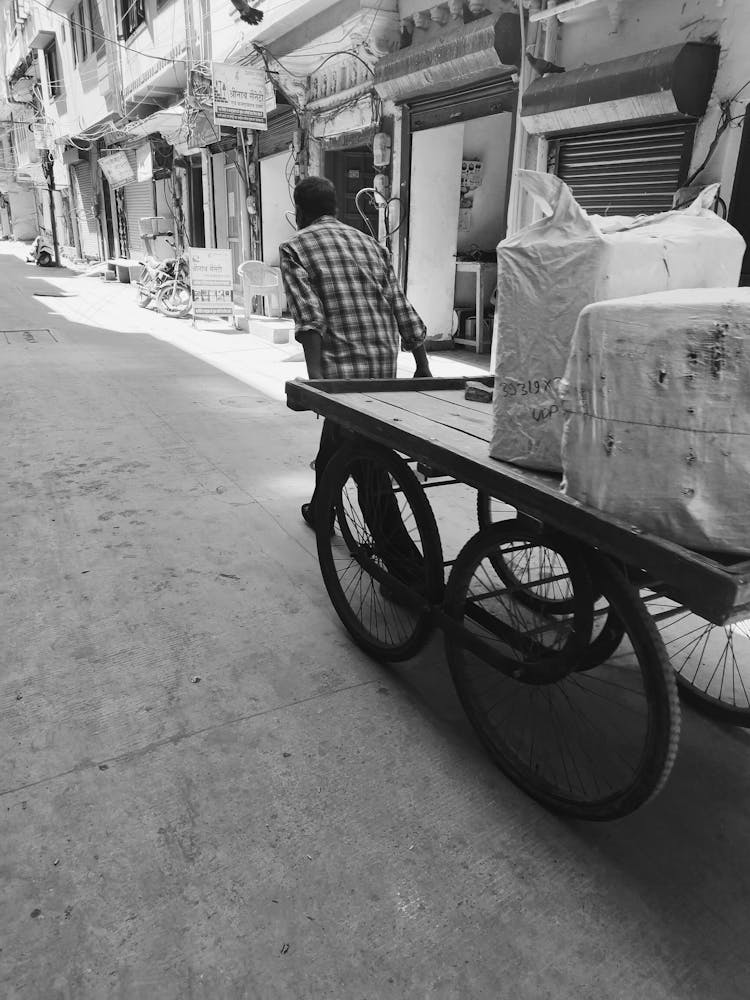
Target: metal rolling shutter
[476, 101]
[625, 171]
[280, 133]
[139, 203]
[84, 202]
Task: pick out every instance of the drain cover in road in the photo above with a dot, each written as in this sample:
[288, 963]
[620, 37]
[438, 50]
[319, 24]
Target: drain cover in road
[28, 336]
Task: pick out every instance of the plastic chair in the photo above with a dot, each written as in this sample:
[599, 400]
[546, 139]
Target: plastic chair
[260, 280]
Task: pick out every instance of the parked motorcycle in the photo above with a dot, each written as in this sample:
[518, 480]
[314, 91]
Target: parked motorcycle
[166, 285]
[41, 252]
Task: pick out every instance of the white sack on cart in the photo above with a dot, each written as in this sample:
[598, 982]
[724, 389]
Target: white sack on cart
[550, 270]
[657, 414]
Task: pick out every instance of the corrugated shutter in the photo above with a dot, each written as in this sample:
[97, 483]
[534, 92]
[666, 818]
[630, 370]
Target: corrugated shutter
[625, 171]
[280, 133]
[139, 203]
[84, 202]
[475, 101]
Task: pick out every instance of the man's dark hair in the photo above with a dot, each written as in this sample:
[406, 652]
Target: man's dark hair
[315, 196]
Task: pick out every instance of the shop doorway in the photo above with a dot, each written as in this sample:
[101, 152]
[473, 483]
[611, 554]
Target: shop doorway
[277, 199]
[235, 211]
[108, 221]
[459, 184]
[196, 218]
[351, 170]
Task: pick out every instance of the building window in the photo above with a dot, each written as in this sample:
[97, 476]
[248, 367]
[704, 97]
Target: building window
[80, 30]
[132, 14]
[54, 74]
[97, 28]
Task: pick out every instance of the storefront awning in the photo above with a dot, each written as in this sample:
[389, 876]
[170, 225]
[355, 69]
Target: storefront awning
[671, 82]
[472, 52]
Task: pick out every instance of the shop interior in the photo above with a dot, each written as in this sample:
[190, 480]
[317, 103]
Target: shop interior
[459, 194]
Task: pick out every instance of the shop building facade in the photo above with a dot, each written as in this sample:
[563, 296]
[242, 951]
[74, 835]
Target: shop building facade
[436, 109]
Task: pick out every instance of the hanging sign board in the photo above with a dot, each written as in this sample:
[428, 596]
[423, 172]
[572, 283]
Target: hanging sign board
[143, 163]
[270, 97]
[211, 281]
[116, 168]
[44, 136]
[239, 96]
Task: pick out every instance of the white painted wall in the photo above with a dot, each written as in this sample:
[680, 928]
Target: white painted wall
[162, 34]
[23, 214]
[220, 200]
[588, 37]
[433, 225]
[276, 200]
[488, 139]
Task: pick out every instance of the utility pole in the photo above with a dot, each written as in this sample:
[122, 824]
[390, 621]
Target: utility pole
[48, 169]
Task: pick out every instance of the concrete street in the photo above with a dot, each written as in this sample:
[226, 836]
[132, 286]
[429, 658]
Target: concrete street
[208, 792]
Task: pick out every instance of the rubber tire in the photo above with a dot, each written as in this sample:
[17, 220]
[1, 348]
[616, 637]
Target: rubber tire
[708, 705]
[329, 499]
[143, 298]
[484, 519]
[663, 727]
[44, 259]
[161, 299]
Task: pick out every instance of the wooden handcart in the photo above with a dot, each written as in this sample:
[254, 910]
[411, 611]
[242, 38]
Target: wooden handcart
[568, 632]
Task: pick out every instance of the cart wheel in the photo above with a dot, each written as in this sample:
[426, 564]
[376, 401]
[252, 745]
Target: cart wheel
[551, 598]
[384, 571]
[711, 662]
[594, 741]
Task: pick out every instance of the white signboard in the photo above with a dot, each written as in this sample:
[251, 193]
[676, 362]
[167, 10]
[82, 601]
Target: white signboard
[44, 136]
[143, 164]
[211, 281]
[270, 97]
[239, 96]
[116, 168]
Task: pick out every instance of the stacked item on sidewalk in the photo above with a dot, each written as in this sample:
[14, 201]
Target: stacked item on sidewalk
[551, 270]
[657, 414]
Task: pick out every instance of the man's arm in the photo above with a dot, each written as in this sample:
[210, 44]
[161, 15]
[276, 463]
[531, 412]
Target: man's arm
[311, 343]
[306, 310]
[423, 365]
[410, 326]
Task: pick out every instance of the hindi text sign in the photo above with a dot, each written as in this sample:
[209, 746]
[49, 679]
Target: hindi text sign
[116, 168]
[239, 96]
[211, 281]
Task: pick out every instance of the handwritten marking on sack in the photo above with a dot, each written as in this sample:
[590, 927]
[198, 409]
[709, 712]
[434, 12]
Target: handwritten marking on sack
[542, 413]
[532, 387]
[708, 351]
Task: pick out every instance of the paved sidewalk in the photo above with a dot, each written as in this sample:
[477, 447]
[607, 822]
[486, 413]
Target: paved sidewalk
[263, 365]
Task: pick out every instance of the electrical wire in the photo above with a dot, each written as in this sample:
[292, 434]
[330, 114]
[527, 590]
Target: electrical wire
[262, 50]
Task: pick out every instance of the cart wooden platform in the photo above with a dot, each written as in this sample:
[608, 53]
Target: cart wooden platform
[568, 632]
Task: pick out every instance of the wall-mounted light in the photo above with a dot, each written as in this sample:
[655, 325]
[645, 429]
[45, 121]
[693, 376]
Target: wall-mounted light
[381, 154]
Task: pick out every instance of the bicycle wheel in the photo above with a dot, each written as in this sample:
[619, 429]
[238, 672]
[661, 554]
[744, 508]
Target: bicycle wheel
[593, 741]
[489, 511]
[711, 662]
[173, 299]
[384, 570]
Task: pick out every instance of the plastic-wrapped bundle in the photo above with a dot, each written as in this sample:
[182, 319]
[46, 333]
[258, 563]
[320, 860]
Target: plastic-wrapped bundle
[552, 269]
[657, 414]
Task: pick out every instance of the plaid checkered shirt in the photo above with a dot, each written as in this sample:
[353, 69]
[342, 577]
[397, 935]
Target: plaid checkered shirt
[340, 284]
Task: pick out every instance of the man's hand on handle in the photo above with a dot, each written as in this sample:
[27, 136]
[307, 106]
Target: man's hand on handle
[423, 365]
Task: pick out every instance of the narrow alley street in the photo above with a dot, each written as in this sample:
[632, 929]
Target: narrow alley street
[208, 791]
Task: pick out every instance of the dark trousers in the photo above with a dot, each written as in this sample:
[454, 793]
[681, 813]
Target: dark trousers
[378, 504]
